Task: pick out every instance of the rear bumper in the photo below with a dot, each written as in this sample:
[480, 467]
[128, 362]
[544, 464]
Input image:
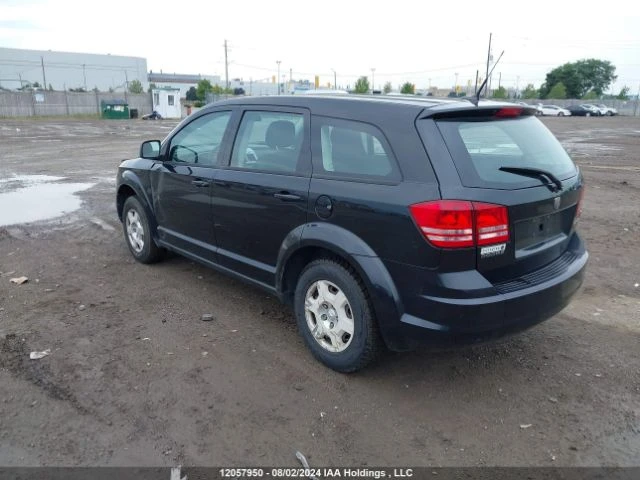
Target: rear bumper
[462, 318]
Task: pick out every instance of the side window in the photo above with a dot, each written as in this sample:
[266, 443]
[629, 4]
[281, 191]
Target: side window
[355, 149]
[269, 141]
[199, 141]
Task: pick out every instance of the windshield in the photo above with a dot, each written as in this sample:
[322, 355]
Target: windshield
[481, 148]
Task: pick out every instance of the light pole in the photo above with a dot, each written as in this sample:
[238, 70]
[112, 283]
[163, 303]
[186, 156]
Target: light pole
[373, 80]
[278, 77]
[455, 88]
[335, 79]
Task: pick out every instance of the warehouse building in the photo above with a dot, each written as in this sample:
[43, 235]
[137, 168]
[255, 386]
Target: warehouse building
[67, 70]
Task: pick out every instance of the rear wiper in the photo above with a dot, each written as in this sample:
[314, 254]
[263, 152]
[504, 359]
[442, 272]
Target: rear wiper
[536, 172]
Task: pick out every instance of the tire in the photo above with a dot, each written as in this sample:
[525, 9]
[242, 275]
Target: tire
[588, 114]
[609, 114]
[560, 114]
[317, 296]
[137, 232]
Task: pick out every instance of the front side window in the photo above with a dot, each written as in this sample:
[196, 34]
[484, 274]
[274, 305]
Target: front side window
[199, 141]
[269, 141]
[354, 150]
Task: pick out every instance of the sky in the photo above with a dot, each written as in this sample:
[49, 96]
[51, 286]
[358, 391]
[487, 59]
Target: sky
[426, 43]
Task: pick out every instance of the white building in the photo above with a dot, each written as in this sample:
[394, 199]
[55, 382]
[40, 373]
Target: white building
[182, 82]
[166, 101]
[66, 70]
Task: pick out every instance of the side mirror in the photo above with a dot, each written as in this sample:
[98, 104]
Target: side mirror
[150, 149]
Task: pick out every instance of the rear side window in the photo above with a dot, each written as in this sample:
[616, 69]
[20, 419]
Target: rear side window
[480, 147]
[353, 150]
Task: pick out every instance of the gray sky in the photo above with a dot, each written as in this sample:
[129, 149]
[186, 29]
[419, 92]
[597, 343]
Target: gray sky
[414, 41]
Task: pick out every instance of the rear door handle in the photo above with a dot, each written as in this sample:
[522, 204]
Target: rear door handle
[286, 196]
[200, 183]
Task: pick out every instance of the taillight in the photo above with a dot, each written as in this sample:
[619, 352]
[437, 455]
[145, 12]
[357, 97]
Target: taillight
[460, 223]
[445, 223]
[492, 223]
[509, 112]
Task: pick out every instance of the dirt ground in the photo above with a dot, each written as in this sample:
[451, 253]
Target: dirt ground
[136, 378]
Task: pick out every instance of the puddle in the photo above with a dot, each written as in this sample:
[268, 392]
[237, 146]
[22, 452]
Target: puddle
[33, 198]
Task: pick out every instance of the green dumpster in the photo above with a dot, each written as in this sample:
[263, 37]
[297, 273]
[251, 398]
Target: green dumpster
[114, 109]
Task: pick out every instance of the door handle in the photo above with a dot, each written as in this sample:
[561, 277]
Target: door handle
[200, 183]
[286, 196]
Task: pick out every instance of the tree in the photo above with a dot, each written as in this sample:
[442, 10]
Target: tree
[580, 77]
[387, 87]
[35, 85]
[151, 87]
[192, 95]
[362, 85]
[558, 92]
[591, 95]
[530, 92]
[408, 87]
[50, 88]
[202, 88]
[500, 92]
[135, 86]
[624, 93]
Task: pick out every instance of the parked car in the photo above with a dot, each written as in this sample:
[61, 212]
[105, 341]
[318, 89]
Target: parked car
[383, 222]
[594, 110]
[581, 111]
[152, 116]
[554, 110]
[538, 107]
[608, 111]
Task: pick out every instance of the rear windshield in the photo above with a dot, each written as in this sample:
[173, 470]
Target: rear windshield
[480, 147]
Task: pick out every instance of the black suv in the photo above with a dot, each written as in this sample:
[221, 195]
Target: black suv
[382, 221]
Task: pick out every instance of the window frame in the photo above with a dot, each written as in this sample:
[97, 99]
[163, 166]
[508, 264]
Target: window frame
[223, 151]
[318, 121]
[304, 166]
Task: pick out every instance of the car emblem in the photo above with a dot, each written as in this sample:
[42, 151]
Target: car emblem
[556, 203]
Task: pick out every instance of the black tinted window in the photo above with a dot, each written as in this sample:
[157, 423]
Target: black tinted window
[199, 141]
[480, 148]
[354, 149]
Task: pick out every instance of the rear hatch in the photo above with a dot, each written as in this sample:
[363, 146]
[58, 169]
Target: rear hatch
[506, 157]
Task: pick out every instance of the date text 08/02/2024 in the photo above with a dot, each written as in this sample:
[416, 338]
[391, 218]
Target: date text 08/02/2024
[315, 472]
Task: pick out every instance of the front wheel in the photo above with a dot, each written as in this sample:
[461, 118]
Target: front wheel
[561, 114]
[588, 114]
[137, 232]
[334, 316]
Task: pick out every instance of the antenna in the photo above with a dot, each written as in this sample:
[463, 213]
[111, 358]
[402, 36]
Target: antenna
[476, 98]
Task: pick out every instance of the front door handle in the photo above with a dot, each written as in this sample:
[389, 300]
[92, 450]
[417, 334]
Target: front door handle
[200, 183]
[286, 196]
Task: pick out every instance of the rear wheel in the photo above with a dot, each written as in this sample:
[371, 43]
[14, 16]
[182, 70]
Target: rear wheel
[137, 232]
[335, 317]
[560, 114]
[609, 114]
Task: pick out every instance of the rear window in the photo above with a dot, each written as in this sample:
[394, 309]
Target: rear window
[480, 147]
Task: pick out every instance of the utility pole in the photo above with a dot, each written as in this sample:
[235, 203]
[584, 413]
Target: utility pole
[499, 79]
[455, 88]
[84, 74]
[126, 86]
[335, 79]
[278, 77]
[488, 58]
[373, 80]
[475, 91]
[226, 66]
[518, 86]
[44, 77]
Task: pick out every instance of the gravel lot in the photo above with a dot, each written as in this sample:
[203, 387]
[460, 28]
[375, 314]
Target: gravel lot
[136, 378]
